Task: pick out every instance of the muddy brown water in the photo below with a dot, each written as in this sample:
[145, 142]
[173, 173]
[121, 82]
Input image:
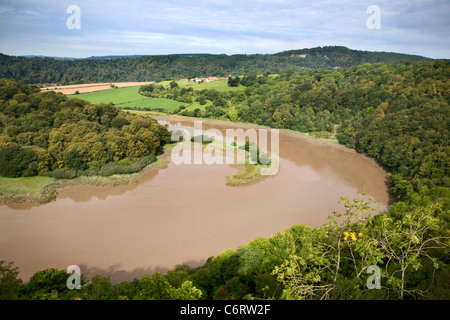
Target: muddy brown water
[184, 213]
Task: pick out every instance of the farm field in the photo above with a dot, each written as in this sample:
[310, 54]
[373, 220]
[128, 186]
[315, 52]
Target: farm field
[128, 97]
[91, 87]
[219, 85]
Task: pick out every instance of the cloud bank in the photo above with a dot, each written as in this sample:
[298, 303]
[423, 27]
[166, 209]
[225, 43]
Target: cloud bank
[224, 27]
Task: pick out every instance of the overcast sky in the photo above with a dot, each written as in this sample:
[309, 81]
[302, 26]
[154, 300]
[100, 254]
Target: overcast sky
[33, 27]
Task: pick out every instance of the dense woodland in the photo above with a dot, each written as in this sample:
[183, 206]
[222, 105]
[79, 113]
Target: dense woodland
[150, 68]
[396, 113]
[49, 134]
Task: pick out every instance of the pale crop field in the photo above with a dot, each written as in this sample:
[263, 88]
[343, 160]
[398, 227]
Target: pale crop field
[91, 87]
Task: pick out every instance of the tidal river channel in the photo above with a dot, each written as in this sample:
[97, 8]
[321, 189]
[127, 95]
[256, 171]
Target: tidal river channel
[184, 213]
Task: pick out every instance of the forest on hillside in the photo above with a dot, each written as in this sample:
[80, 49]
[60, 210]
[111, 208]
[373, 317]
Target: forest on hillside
[395, 113]
[40, 70]
[391, 112]
[48, 134]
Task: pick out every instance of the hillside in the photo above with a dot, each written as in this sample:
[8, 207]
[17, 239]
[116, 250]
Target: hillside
[391, 112]
[48, 134]
[40, 70]
[332, 57]
[395, 113]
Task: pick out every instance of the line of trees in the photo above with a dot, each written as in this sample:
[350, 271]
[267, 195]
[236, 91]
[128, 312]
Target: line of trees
[152, 68]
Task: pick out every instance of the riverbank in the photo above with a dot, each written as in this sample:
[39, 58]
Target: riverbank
[29, 191]
[244, 125]
[301, 135]
[40, 190]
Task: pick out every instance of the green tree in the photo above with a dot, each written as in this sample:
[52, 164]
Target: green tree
[408, 244]
[74, 160]
[98, 288]
[155, 287]
[16, 161]
[332, 259]
[9, 283]
[233, 114]
[233, 81]
[118, 122]
[187, 291]
[173, 84]
[48, 283]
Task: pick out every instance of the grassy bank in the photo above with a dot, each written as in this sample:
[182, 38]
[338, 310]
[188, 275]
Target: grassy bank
[29, 189]
[237, 124]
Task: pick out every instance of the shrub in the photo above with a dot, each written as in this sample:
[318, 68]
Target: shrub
[119, 122]
[15, 160]
[201, 139]
[9, 281]
[321, 134]
[64, 173]
[117, 168]
[74, 160]
[46, 281]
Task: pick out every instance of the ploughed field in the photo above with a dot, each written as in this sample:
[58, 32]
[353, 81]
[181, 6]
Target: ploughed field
[92, 87]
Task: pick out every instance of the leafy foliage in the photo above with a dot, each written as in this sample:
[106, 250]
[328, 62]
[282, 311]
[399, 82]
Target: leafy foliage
[148, 68]
[49, 134]
[9, 283]
[396, 113]
[391, 112]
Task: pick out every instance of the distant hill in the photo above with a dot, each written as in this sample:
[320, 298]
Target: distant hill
[40, 70]
[143, 55]
[344, 57]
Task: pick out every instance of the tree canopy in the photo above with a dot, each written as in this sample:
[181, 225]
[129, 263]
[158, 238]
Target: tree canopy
[49, 134]
[395, 113]
[152, 68]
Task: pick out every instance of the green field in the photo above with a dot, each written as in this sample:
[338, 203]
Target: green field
[128, 97]
[219, 85]
[25, 189]
[24, 185]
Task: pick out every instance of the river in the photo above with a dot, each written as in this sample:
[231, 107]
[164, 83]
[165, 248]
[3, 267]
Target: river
[184, 213]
